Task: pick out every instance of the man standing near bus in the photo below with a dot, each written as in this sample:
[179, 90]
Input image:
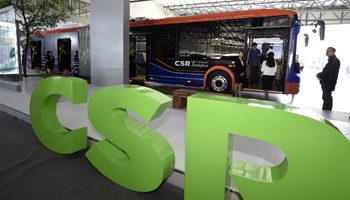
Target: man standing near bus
[254, 64]
[328, 78]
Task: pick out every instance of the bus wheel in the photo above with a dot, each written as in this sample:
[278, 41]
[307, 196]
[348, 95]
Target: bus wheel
[219, 81]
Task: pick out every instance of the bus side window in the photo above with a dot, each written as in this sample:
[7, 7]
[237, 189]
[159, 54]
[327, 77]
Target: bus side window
[163, 45]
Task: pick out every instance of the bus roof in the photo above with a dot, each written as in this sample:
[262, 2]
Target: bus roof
[56, 31]
[215, 17]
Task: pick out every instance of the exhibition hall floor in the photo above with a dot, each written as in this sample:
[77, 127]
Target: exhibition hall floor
[30, 171]
[172, 124]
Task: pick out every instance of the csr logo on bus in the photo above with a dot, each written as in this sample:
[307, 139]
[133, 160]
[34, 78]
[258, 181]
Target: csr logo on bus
[137, 157]
[182, 63]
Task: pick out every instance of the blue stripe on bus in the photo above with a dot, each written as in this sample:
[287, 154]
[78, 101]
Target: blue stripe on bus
[292, 77]
[161, 75]
[176, 77]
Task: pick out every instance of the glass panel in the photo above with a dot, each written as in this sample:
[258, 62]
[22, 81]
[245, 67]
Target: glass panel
[9, 65]
[215, 40]
[163, 45]
[75, 5]
[192, 46]
[88, 11]
[141, 46]
[83, 9]
[80, 8]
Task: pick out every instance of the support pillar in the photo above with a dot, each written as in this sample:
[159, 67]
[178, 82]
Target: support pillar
[109, 34]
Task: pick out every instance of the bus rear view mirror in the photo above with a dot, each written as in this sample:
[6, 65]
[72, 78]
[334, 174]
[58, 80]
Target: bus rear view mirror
[306, 40]
[321, 29]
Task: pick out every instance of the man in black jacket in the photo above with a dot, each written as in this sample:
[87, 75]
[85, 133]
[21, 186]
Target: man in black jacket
[328, 78]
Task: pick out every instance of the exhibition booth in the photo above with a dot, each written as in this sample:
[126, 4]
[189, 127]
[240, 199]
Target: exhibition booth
[218, 147]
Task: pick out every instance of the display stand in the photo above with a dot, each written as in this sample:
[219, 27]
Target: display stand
[10, 72]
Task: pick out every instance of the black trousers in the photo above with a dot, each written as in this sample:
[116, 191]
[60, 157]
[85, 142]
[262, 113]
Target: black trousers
[254, 75]
[327, 98]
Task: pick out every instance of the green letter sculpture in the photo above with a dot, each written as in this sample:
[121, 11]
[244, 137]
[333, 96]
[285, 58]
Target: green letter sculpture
[44, 118]
[133, 155]
[317, 164]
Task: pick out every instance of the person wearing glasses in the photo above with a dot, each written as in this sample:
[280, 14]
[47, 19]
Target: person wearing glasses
[328, 78]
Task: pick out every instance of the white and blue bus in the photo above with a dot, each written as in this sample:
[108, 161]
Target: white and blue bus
[201, 50]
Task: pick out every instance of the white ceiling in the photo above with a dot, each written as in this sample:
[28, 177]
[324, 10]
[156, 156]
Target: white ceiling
[333, 11]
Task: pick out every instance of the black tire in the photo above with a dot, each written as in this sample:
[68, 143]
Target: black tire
[219, 81]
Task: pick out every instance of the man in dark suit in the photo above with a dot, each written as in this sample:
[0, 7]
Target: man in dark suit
[328, 78]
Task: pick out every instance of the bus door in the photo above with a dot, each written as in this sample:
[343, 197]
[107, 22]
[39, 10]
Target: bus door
[268, 40]
[35, 45]
[64, 44]
[138, 57]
